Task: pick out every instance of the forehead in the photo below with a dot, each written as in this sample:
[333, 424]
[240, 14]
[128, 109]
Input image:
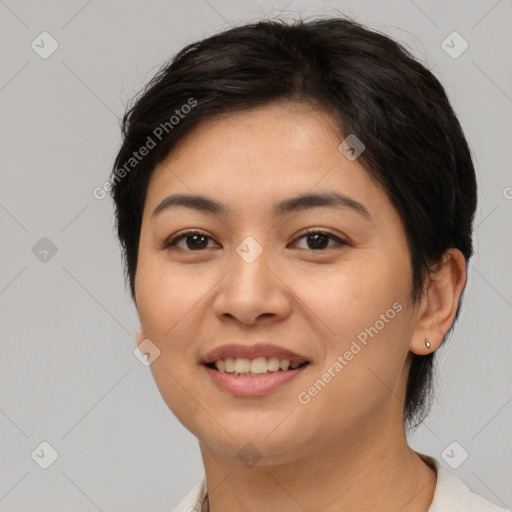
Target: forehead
[257, 157]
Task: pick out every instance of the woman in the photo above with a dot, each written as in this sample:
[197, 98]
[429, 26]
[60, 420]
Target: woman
[295, 203]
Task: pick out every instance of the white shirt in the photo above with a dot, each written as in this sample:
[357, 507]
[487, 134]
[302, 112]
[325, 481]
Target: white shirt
[451, 495]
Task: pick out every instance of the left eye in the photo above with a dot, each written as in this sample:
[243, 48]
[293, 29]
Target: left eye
[320, 239]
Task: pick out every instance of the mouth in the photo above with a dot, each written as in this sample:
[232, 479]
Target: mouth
[256, 367]
[250, 383]
[245, 370]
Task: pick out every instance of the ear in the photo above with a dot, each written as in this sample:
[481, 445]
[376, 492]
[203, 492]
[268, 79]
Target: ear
[439, 302]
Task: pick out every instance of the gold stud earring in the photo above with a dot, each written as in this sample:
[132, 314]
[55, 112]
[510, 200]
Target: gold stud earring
[427, 343]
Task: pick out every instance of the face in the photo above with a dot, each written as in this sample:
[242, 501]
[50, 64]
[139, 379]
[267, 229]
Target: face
[269, 275]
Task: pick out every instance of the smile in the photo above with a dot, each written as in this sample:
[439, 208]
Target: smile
[257, 367]
[260, 376]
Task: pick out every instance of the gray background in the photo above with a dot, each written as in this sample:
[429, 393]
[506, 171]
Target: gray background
[68, 374]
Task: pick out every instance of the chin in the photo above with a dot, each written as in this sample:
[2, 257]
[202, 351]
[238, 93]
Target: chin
[271, 442]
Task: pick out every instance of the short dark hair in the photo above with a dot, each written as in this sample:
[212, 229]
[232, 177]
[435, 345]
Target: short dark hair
[414, 145]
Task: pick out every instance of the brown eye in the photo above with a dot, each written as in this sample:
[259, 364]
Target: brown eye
[319, 240]
[194, 241]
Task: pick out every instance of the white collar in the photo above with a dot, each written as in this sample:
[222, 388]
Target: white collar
[450, 495]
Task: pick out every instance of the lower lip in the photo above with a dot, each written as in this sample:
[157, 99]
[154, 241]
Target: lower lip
[252, 386]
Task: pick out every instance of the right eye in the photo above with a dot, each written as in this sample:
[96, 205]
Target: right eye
[194, 241]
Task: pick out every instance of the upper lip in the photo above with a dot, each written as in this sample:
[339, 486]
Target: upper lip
[234, 350]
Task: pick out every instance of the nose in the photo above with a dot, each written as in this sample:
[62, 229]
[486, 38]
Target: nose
[252, 292]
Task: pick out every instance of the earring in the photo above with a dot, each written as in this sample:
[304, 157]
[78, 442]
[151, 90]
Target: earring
[427, 343]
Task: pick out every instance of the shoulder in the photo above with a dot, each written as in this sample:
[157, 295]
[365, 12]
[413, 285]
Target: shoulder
[192, 502]
[453, 495]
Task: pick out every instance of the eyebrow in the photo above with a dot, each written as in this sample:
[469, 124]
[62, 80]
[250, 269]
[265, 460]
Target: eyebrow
[294, 204]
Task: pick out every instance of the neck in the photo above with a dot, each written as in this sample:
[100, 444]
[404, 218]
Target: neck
[375, 470]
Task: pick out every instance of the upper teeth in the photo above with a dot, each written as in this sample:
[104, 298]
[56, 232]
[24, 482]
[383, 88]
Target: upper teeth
[257, 365]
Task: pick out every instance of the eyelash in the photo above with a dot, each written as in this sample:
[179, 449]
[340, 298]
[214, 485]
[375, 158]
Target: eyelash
[174, 239]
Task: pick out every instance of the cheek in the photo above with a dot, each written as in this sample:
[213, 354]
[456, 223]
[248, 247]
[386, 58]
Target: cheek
[164, 296]
[368, 314]
[162, 305]
[165, 305]
[351, 298]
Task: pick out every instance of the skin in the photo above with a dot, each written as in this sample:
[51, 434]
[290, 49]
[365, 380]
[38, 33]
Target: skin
[346, 449]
